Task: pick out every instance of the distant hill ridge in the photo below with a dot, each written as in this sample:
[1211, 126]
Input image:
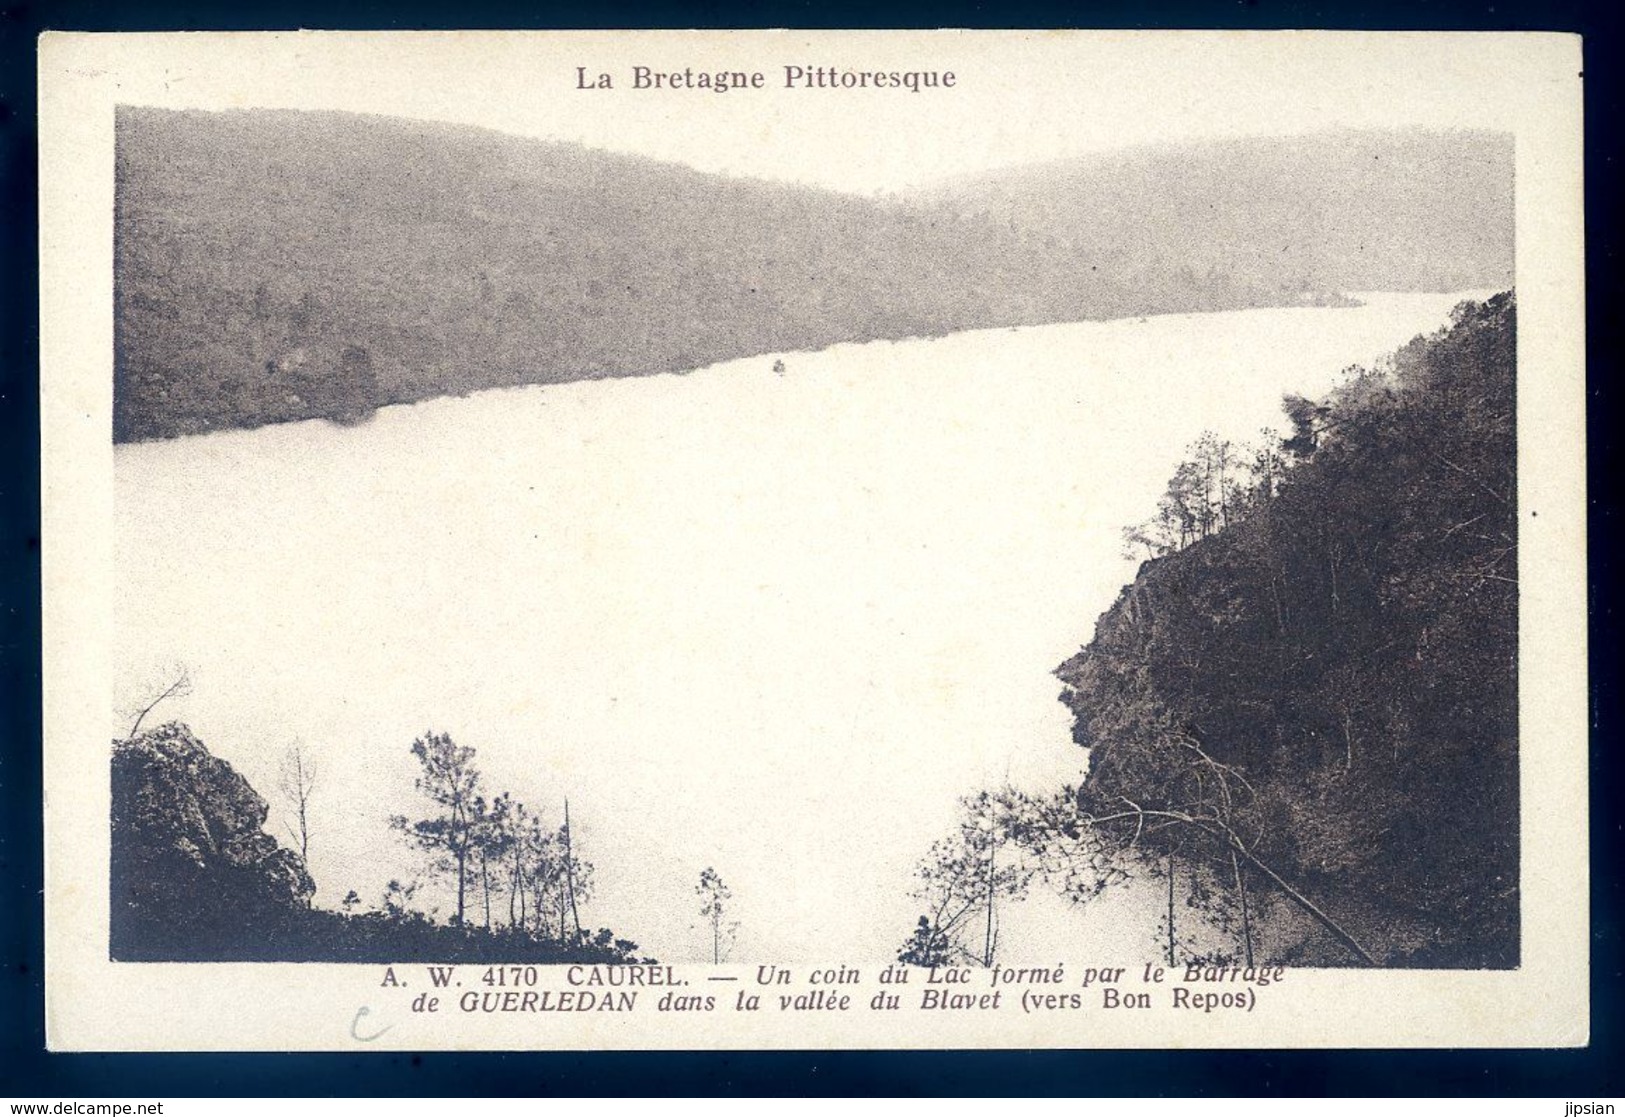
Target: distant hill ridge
[282, 265]
[1342, 210]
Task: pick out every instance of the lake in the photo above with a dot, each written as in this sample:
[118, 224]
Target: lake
[773, 623]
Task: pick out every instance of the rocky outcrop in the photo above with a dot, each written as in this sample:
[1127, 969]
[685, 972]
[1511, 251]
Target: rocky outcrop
[191, 861]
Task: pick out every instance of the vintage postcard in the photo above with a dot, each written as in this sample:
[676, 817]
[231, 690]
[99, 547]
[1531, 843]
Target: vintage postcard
[784, 539]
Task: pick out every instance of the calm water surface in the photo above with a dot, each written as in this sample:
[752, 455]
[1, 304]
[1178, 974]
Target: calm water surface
[771, 623]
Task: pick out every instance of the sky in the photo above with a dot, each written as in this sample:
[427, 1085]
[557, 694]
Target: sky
[1019, 97]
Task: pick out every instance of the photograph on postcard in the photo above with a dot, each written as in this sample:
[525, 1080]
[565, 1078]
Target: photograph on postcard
[860, 539]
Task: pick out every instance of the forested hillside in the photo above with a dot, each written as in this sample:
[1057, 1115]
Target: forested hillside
[1313, 682]
[285, 265]
[274, 265]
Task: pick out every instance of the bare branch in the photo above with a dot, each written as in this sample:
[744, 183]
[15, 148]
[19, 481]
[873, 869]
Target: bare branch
[296, 782]
[179, 687]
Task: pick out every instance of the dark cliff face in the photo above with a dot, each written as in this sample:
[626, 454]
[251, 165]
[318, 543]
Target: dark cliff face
[1347, 644]
[191, 860]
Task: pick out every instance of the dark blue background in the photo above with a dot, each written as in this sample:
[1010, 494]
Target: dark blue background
[27, 1071]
